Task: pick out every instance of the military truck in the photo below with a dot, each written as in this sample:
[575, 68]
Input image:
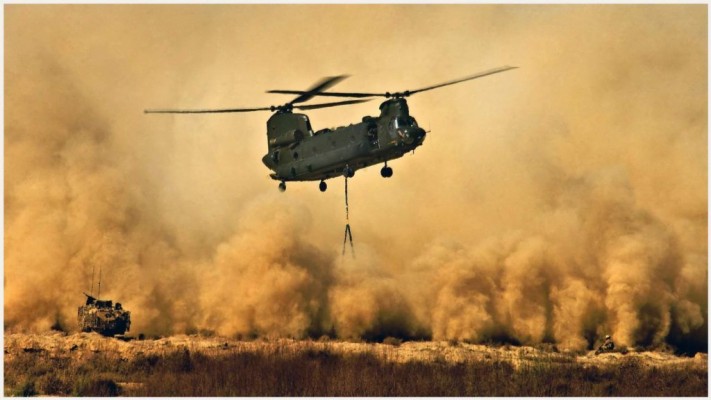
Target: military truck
[103, 317]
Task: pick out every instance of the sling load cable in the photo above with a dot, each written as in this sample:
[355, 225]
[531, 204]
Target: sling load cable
[347, 234]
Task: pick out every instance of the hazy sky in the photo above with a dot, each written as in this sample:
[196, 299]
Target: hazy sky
[557, 200]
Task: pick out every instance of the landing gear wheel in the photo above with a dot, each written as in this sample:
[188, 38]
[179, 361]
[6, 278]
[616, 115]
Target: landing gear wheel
[322, 186]
[282, 186]
[386, 172]
[348, 172]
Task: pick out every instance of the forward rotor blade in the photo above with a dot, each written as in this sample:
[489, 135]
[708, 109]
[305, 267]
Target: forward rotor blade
[396, 94]
[224, 110]
[325, 105]
[331, 94]
[479, 75]
[317, 88]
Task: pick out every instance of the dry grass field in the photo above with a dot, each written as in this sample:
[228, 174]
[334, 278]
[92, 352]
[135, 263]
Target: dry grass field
[83, 364]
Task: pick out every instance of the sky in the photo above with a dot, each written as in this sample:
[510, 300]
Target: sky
[560, 201]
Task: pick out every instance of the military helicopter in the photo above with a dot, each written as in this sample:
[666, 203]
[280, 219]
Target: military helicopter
[298, 153]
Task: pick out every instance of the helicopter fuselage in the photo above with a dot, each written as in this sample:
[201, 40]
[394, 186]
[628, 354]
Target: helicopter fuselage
[297, 153]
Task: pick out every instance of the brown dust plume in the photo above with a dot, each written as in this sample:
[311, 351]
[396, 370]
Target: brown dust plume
[558, 202]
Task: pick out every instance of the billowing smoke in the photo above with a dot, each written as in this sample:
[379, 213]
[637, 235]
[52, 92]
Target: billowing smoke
[555, 203]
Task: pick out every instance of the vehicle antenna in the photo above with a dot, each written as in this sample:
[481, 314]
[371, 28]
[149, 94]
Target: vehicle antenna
[98, 296]
[93, 267]
[347, 234]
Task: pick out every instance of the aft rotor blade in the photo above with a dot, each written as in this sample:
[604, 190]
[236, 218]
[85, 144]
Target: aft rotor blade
[317, 88]
[325, 105]
[223, 110]
[479, 75]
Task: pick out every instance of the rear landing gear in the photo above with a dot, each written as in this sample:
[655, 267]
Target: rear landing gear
[386, 172]
[282, 186]
[322, 186]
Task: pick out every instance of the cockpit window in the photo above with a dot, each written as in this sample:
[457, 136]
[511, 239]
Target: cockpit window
[404, 122]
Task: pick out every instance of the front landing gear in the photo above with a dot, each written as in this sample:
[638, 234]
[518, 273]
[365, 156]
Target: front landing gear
[282, 186]
[348, 172]
[322, 186]
[386, 172]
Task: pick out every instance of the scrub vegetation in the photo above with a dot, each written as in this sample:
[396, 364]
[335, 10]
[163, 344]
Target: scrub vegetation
[319, 369]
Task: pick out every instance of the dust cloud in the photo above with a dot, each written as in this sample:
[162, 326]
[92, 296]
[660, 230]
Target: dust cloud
[558, 202]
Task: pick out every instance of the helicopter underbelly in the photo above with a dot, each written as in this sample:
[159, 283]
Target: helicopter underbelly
[332, 163]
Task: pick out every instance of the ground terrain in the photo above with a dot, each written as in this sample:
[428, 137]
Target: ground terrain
[89, 364]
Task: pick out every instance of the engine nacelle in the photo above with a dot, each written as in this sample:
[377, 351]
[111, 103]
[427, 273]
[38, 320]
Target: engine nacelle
[287, 138]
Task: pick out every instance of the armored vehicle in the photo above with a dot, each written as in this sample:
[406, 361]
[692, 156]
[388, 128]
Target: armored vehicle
[103, 317]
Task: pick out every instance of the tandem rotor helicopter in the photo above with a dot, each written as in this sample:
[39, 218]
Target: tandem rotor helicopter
[298, 153]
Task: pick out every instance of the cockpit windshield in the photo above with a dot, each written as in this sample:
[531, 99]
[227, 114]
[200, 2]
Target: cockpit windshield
[403, 122]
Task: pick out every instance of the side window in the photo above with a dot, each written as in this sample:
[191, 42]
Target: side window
[373, 134]
[399, 122]
[394, 125]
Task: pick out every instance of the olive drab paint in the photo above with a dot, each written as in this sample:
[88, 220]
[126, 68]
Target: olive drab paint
[297, 153]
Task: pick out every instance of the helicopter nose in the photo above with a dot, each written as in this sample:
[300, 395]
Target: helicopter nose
[413, 136]
[419, 135]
